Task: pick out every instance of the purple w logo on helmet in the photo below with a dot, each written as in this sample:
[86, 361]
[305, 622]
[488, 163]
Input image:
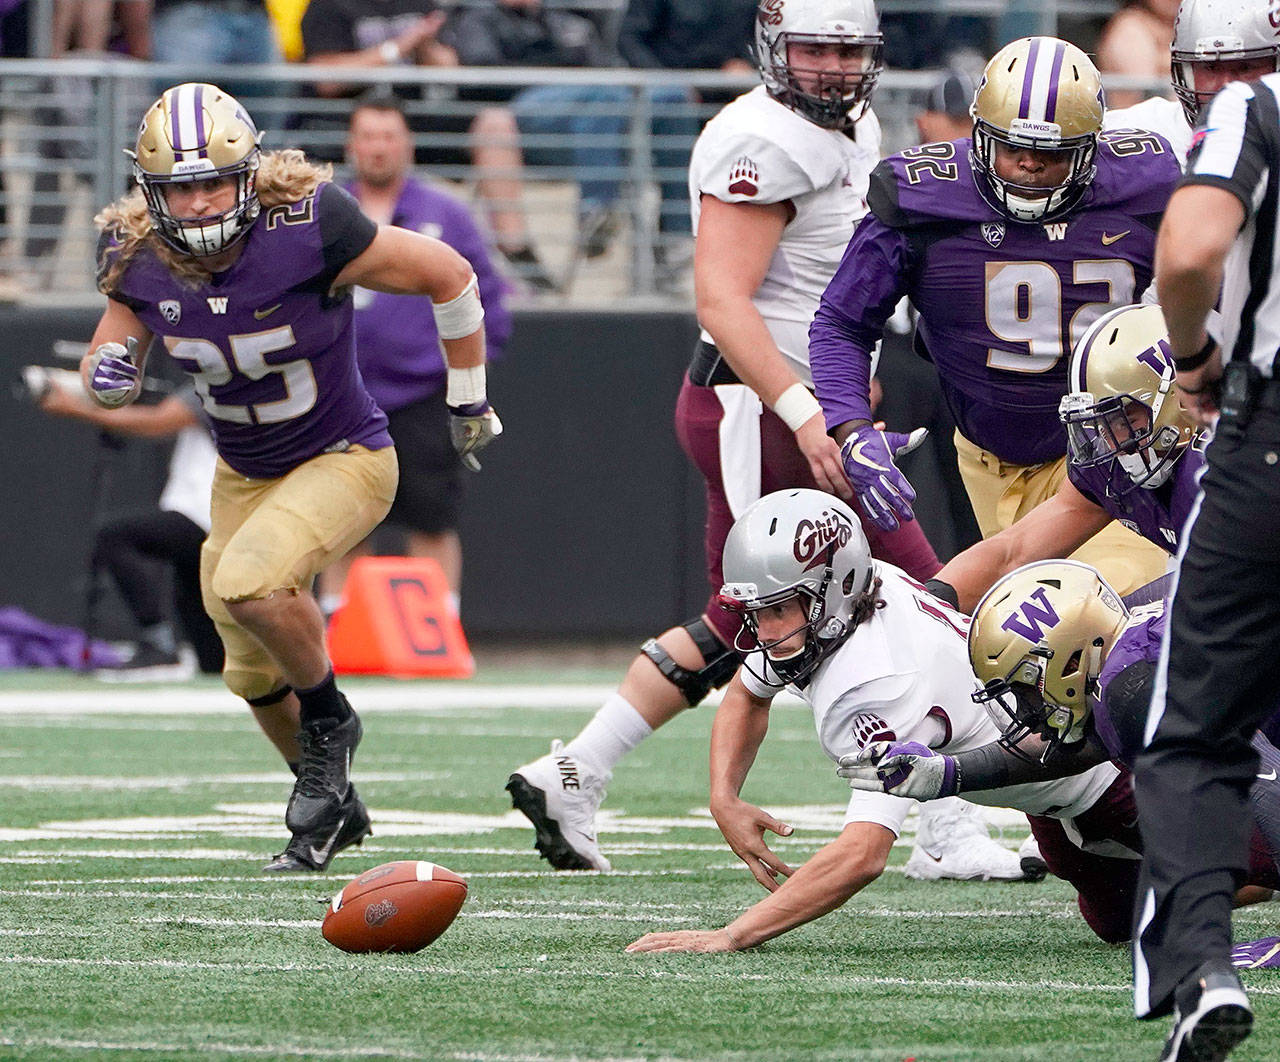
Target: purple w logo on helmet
[1036, 610]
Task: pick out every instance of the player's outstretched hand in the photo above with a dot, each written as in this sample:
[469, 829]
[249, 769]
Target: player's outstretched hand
[744, 826]
[472, 428]
[114, 377]
[883, 491]
[685, 940]
[907, 769]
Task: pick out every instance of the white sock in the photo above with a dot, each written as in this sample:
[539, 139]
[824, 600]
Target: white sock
[614, 730]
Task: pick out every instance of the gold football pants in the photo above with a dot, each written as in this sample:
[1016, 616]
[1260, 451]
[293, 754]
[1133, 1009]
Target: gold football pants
[1001, 494]
[275, 535]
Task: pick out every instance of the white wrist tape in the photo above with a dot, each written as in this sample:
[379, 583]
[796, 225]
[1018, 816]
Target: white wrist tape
[461, 315]
[796, 405]
[464, 387]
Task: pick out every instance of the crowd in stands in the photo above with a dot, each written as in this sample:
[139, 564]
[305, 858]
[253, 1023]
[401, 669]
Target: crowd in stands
[495, 137]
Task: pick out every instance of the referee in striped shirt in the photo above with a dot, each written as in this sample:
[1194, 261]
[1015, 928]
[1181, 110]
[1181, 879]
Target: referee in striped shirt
[1220, 666]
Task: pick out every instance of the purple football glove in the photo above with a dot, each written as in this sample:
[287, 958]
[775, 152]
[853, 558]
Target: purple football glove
[907, 769]
[114, 376]
[1257, 954]
[883, 491]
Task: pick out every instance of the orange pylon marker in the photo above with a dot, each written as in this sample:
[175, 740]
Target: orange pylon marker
[397, 620]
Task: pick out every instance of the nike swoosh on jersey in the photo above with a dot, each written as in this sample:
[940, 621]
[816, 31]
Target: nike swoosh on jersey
[319, 855]
[1108, 239]
[1269, 777]
[260, 314]
[856, 453]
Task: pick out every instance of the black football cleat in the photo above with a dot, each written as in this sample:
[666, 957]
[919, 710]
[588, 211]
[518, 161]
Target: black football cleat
[313, 852]
[1211, 1018]
[324, 774]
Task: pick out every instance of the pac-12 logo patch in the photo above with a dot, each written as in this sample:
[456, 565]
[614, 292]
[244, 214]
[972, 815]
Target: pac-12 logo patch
[171, 311]
[993, 233]
[744, 178]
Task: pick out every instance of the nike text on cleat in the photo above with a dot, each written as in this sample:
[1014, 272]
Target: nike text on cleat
[1212, 1016]
[324, 774]
[559, 794]
[313, 852]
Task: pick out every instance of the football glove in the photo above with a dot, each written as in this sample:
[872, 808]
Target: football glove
[114, 377]
[1256, 954]
[907, 769]
[884, 492]
[472, 428]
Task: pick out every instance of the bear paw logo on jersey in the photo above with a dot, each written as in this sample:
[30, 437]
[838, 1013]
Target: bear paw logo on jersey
[814, 537]
[744, 178]
[868, 728]
[770, 13]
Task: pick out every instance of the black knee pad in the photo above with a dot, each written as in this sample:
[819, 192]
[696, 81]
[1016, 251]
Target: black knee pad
[718, 667]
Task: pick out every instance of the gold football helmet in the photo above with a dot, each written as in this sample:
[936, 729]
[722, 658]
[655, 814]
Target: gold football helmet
[1042, 94]
[195, 132]
[1037, 644]
[1122, 407]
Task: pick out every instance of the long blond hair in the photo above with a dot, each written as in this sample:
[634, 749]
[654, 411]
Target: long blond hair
[283, 177]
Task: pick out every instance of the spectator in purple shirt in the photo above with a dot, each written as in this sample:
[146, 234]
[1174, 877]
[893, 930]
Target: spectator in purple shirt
[397, 345]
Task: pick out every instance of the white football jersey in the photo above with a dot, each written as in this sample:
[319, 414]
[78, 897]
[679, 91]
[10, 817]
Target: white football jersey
[904, 675]
[758, 151]
[1158, 115]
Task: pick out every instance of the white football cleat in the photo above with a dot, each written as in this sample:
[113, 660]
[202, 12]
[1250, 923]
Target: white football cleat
[952, 841]
[559, 794]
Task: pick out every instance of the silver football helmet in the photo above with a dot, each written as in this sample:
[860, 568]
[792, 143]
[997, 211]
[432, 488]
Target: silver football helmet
[1216, 31]
[1037, 644]
[195, 132]
[825, 97]
[1041, 94]
[797, 544]
[1122, 407]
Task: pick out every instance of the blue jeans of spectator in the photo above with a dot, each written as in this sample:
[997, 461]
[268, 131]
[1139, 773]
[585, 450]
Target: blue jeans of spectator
[232, 32]
[596, 119]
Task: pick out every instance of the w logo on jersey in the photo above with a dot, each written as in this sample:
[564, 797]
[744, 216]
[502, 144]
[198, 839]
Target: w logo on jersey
[1056, 230]
[1026, 621]
[217, 304]
[993, 233]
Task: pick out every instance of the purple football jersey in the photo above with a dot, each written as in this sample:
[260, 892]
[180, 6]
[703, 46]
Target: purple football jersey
[1138, 642]
[270, 348]
[1157, 515]
[1000, 302]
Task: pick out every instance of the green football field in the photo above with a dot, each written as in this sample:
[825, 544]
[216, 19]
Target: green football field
[134, 922]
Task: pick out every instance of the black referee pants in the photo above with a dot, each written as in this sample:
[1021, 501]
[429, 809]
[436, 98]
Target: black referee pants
[129, 547]
[1219, 675]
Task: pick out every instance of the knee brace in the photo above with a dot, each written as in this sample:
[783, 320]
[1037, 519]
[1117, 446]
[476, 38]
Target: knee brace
[718, 663]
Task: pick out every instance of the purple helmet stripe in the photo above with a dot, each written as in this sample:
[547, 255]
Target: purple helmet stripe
[1024, 108]
[175, 104]
[1059, 54]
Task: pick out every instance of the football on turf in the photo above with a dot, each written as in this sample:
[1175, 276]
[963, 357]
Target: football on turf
[400, 907]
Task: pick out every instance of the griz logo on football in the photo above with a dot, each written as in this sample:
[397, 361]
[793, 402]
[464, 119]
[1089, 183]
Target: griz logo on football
[1026, 621]
[813, 538]
[377, 914]
[771, 12]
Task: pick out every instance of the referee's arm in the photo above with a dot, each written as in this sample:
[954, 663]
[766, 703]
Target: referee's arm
[1199, 227]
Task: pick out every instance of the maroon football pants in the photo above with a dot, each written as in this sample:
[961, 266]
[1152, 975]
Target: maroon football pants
[782, 465]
